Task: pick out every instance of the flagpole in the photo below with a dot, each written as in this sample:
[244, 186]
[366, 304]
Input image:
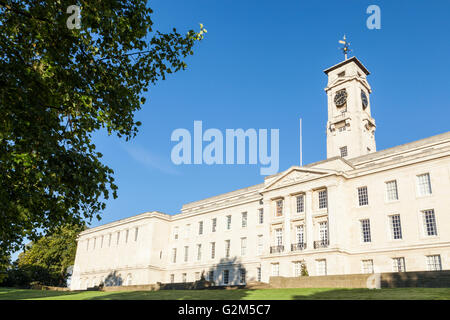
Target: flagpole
[301, 156]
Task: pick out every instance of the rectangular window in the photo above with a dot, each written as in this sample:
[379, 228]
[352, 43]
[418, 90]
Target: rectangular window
[424, 184]
[321, 267]
[200, 227]
[300, 203]
[279, 237]
[323, 199]
[211, 276]
[172, 278]
[188, 230]
[259, 249]
[174, 255]
[343, 149]
[396, 227]
[363, 196]
[300, 235]
[297, 268]
[365, 231]
[226, 276]
[398, 264]
[229, 222]
[244, 220]
[213, 250]
[227, 248]
[186, 253]
[243, 246]
[184, 277]
[275, 269]
[261, 216]
[175, 233]
[323, 232]
[367, 266]
[434, 263]
[429, 221]
[258, 271]
[136, 232]
[391, 190]
[199, 252]
[197, 276]
[279, 205]
[242, 274]
[214, 225]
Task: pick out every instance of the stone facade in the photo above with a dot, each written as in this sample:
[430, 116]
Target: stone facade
[358, 211]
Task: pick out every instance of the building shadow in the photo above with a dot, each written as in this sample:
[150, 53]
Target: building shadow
[225, 280]
[113, 279]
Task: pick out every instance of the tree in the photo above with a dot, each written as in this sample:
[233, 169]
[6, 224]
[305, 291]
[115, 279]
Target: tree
[46, 261]
[59, 85]
[304, 270]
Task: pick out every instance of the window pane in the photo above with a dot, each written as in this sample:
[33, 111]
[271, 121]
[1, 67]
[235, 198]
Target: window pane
[429, 222]
[396, 227]
[323, 201]
[363, 196]
[300, 203]
[365, 230]
[391, 189]
[424, 184]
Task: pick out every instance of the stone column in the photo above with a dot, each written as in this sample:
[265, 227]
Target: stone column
[309, 228]
[287, 224]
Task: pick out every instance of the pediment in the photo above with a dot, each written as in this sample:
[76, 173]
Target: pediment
[296, 175]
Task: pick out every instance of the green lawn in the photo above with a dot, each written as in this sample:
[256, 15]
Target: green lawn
[238, 294]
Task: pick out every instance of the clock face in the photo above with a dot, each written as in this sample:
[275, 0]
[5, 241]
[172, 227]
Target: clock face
[365, 101]
[340, 98]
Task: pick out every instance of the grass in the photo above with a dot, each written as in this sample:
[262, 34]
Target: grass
[238, 294]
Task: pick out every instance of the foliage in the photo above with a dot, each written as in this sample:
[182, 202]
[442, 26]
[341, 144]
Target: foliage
[304, 271]
[57, 87]
[46, 261]
[5, 264]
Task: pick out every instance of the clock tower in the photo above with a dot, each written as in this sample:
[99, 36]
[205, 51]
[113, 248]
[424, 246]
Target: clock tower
[350, 126]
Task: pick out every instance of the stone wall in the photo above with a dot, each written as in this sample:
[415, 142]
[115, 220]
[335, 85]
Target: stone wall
[430, 279]
[334, 281]
[421, 279]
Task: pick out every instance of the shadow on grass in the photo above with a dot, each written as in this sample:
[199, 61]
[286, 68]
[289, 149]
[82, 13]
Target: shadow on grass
[378, 294]
[211, 294]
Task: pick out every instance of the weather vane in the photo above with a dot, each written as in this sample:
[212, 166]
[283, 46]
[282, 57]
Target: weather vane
[346, 48]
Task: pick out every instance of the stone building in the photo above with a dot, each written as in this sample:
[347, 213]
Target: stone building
[358, 211]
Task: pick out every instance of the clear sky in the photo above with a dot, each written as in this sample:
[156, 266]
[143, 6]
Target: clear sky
[261, 66]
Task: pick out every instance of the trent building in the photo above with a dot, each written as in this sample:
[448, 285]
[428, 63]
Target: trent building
[358, 211]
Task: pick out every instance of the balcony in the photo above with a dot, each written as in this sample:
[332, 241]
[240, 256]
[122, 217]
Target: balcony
[298, 246]
[321, 244]
[276, 249]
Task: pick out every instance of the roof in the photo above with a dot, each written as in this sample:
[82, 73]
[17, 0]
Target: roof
[352, 59]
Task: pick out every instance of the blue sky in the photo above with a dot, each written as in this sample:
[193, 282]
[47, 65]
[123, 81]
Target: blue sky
[261, 66]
